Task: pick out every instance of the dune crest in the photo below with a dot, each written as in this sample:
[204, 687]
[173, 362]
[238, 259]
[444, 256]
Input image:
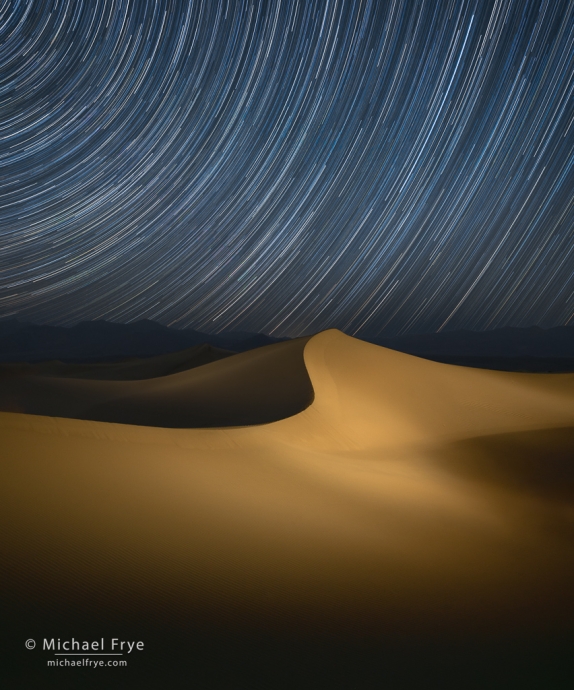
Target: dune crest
[370, 396]
[357, 394]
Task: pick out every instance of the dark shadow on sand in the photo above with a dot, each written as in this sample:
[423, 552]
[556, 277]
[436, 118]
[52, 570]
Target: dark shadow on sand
[538, 462]
[255, 387]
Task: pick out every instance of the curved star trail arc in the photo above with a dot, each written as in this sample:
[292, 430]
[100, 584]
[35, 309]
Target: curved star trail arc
[288, 166]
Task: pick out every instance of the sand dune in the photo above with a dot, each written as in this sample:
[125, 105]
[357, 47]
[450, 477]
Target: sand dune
[410, 500]
[253, 387]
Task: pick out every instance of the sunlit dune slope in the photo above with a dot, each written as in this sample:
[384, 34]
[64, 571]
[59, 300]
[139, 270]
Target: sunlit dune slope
[368, 396]
[409, 496]
[254, 387]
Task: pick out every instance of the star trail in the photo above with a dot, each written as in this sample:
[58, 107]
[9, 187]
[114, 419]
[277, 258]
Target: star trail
[285, 166]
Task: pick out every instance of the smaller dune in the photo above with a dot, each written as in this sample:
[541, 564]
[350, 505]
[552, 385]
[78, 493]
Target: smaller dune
[254, 387]
[132, 369]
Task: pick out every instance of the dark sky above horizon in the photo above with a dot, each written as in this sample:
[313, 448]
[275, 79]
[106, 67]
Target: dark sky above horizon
[287, 166]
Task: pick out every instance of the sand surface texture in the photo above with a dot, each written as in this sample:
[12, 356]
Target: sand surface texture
[397, 495]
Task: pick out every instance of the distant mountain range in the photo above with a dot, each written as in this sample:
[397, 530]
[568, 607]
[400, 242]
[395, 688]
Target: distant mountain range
[510, 349]
[519, 349]
[502, 342]
[101, 340]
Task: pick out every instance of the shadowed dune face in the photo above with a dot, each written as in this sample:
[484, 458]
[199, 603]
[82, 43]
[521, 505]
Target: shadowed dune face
[538, 462]
[254, 387]
[125, 370]
[409, 500]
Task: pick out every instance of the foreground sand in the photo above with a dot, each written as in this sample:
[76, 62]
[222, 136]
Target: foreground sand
[410, 500]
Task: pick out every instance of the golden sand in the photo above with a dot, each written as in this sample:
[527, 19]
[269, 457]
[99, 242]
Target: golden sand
[407, 493]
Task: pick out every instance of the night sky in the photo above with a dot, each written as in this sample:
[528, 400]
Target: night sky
[379, 166]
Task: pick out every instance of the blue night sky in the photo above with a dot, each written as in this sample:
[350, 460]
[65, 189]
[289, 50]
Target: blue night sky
[288, 166]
